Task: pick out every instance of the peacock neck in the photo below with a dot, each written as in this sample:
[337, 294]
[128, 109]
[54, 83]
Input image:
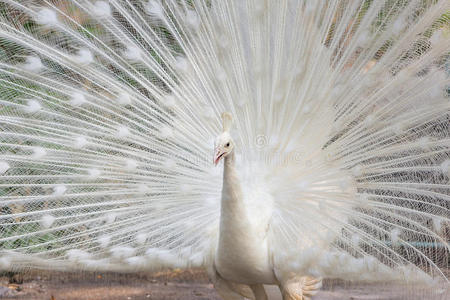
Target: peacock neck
[229, 164]
[233, 217]
[231, 191]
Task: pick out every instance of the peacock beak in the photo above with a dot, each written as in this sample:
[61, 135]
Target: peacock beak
[217, 156]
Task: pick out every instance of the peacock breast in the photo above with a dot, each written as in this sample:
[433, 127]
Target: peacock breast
[243, 257]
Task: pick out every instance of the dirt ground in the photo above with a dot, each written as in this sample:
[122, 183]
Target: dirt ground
[183, 285]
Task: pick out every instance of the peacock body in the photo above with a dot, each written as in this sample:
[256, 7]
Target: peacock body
[339, 164]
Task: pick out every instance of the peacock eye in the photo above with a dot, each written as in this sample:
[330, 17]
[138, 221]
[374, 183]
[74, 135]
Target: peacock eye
[227, 145]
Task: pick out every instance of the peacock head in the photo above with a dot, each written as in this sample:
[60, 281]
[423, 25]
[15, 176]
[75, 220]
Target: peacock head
[224, 144]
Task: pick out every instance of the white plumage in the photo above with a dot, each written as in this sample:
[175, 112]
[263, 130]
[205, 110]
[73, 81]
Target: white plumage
[109, 113]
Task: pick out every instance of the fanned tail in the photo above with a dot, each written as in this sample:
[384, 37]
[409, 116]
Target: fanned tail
[108, 111]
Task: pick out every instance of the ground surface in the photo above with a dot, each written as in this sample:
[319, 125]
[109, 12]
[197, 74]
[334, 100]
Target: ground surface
[183, 285]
